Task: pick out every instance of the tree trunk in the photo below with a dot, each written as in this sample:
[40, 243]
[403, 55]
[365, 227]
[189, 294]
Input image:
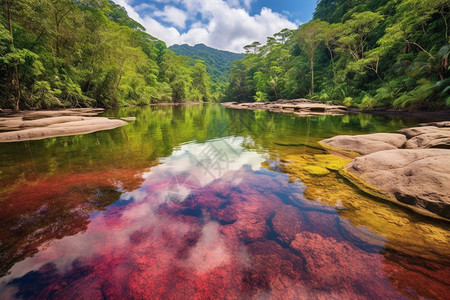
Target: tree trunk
[15, 77]
[16, 106]
[56, 34]
[312, 74]
[8, 8]
[332, 62]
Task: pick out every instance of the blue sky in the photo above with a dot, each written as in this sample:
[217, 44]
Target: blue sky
[222, 24]
[299, 11]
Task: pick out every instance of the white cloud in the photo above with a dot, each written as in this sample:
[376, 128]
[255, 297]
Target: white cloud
[144, 6]
[225, 24]
[173, 15]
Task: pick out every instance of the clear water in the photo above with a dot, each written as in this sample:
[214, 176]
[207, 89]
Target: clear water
[203, 202]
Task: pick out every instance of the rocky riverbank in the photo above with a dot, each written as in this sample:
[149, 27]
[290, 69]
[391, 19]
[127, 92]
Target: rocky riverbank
[410, 168]
[299, 107]
[36, 125]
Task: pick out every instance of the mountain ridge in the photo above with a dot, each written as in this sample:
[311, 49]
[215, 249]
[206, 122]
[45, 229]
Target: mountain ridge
[217, 62]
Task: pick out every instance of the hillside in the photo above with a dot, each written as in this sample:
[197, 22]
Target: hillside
[72, 53]
[217, 62]
[361, 53]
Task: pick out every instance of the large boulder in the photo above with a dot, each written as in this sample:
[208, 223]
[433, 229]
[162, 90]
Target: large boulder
[354, 145]
[427, 137]
[437, 124]
[84, 126]
[416, 178]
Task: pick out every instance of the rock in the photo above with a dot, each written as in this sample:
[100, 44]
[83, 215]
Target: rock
[41, 114]
[416, 131]
[299, 107]
[416, 178]
[437, 124]
[87, 125]
[50, 121]
[10, 123]
[429, 141]
[354, 145]
[427, 137]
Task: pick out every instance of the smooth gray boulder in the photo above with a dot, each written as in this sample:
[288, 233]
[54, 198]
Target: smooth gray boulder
[437, 124]
[86, 125]
[355, 145]
[427, 137]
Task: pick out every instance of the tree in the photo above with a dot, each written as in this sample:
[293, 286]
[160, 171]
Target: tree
[252, 48]
[355, 32]
[283, 35]
[15, 81]
[310, 36]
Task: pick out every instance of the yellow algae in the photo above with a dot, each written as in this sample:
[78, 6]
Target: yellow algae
[316, 170]
[332, 162]
[403, 231]
[332, 150]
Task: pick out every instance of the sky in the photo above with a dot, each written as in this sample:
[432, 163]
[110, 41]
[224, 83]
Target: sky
[221, 24]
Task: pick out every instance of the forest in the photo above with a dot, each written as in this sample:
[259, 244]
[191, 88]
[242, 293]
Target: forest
[366, 54]
[90, 53]
[217, 62]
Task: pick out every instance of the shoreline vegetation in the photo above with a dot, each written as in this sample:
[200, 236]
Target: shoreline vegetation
[360, 54]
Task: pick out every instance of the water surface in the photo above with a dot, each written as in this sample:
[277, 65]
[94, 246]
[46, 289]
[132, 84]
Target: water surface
[203, 202]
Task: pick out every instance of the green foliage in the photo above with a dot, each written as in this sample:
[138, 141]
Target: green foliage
[79, 53]
[366, 54]
[260, 97]
[217, 62]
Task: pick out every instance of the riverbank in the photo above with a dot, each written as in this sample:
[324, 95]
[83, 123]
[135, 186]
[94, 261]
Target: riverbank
[36, 125]
[439, 115]
[306, 108]
[299, 107]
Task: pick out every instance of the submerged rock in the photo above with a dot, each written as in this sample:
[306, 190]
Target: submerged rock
[354, 145]
[418, 178]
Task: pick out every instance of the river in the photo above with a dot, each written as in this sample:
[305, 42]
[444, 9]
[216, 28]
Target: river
[205, 202]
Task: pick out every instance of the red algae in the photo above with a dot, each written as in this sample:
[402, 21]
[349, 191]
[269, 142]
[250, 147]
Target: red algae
[229, 239]
[178, 232]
